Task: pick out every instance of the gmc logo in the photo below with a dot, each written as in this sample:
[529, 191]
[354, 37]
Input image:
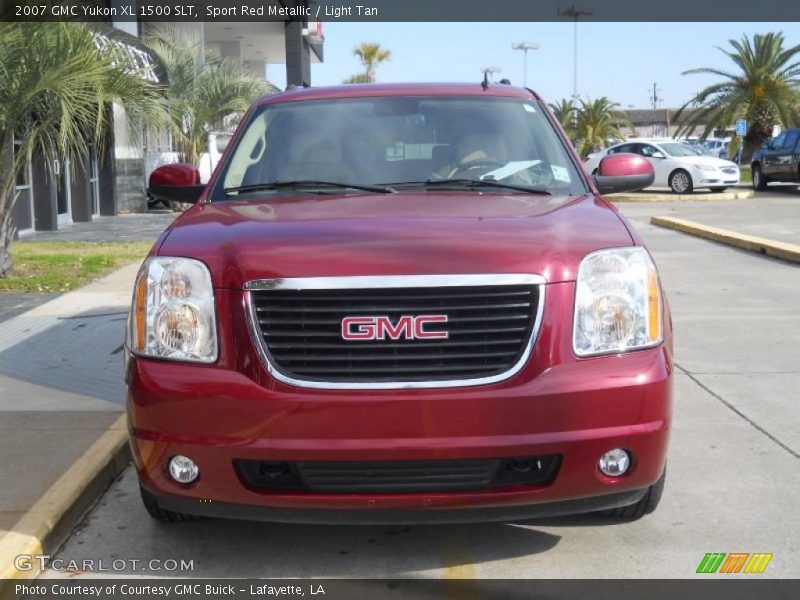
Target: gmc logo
[381, 327]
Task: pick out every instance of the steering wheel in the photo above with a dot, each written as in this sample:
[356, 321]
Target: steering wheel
[480, 163]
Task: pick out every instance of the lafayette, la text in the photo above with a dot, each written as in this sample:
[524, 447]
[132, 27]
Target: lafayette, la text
[178, 589]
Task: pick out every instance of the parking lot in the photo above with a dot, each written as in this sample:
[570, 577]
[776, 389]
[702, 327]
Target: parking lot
[733, 477]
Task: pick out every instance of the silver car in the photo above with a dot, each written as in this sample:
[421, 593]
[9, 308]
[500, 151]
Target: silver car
[678, 166]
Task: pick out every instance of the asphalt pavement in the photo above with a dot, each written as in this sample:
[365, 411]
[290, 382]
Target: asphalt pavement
[732, 485]
[774, 214]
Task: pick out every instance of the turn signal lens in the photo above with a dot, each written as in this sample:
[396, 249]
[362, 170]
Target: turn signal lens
[654, 333]
[139, 311]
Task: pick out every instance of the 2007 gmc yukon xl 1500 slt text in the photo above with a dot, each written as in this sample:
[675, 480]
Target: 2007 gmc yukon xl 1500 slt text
[399, 303]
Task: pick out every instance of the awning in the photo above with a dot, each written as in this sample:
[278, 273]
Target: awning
[140, 59]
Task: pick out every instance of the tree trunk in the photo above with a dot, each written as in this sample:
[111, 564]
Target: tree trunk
[8, 197]
[758, 132]
[7, 231]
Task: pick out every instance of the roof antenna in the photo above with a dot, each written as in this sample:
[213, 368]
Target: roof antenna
[485, 82]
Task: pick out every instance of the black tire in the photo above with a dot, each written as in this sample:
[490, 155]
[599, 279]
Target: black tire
[643, 507]
[680, 182]
[759, 181]
[718, 190]
[162, 515]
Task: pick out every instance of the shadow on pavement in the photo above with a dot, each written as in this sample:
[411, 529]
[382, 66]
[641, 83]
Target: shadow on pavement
[80, 354]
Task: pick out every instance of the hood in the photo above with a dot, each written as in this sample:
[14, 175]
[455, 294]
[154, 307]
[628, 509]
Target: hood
[711, 160]
[395, 234]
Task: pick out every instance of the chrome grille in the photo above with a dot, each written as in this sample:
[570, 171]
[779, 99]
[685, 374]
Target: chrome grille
[490, 330]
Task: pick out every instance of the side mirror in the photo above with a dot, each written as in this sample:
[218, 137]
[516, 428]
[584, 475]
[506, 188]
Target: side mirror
[179, 182]
[623, 173]
[657, 155]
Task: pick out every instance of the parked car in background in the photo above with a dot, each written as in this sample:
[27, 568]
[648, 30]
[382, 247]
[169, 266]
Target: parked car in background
[718, 147]
[779, 160]
[677, 165]
[399, 303]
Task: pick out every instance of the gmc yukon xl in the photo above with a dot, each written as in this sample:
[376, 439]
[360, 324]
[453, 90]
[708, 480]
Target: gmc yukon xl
[399, 303]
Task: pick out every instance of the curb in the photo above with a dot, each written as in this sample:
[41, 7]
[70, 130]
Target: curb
[759, 245]
[49, 522]
[666, 197]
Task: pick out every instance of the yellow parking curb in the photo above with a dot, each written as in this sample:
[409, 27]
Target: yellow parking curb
[668, 197]
[782, 250]
[48, 523]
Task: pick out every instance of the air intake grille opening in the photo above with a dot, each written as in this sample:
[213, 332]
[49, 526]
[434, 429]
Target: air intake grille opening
[389, 477]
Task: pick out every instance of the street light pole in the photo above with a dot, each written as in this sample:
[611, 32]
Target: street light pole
[575, 12]
[525, 46]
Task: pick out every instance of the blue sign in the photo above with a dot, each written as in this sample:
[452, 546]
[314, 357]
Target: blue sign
[741, 127]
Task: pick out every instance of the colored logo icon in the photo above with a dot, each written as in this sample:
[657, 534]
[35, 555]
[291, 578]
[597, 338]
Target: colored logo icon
[735, 562]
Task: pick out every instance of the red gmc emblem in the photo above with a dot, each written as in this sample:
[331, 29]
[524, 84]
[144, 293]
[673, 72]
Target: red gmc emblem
[381, 327]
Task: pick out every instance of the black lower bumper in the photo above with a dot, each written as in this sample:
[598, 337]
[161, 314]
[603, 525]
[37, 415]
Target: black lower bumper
[399, 516]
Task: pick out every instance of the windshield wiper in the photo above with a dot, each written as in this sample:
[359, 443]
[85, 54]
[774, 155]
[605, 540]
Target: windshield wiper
[308, 183]
[470, 184]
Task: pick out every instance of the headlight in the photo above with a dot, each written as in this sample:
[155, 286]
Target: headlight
[173, 312]
[617, 302]
[706, 168]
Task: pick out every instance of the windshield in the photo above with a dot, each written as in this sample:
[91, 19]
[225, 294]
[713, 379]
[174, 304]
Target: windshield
[398, 140]
[678, 149]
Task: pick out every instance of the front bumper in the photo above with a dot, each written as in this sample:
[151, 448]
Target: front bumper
[327, 516]
[557, 404]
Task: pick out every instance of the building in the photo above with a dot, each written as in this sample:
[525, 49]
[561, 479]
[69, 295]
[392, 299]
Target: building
[662, 123]
[74, 190]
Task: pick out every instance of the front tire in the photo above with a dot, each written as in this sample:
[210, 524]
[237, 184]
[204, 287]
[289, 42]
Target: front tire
[759, 181]
[162, 515]
[680, 182]
[643, 507]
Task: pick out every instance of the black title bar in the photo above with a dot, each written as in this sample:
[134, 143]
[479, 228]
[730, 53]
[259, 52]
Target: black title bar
[373, 11]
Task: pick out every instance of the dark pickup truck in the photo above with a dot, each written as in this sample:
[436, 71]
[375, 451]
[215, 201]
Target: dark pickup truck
[779, 160]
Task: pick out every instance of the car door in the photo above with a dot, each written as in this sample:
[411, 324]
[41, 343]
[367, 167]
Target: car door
[794, 174]
[658, 158]
[769, 160]
[786, 157]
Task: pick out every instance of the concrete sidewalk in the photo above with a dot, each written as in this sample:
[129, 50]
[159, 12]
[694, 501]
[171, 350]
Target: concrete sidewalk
[61, 391]
[135, 227]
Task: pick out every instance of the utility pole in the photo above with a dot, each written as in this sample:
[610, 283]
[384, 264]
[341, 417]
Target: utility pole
[574, 12]
[525, 46]
[655, 99]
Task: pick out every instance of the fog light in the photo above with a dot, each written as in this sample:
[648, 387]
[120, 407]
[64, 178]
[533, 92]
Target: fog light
[614, 463]
[183, 469]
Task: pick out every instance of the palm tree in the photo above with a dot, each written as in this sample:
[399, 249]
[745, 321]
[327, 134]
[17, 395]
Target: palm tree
[371, 55]
[565, 111]
[359, 78]
[203, 91]
[763, 89]
[55, 91]
[598, 122]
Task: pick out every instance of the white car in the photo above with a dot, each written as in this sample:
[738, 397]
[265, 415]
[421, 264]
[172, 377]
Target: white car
[678, 166]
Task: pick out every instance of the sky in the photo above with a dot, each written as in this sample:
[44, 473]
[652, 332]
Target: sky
[618, 60]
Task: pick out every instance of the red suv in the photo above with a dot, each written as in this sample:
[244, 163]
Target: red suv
[399, 303]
